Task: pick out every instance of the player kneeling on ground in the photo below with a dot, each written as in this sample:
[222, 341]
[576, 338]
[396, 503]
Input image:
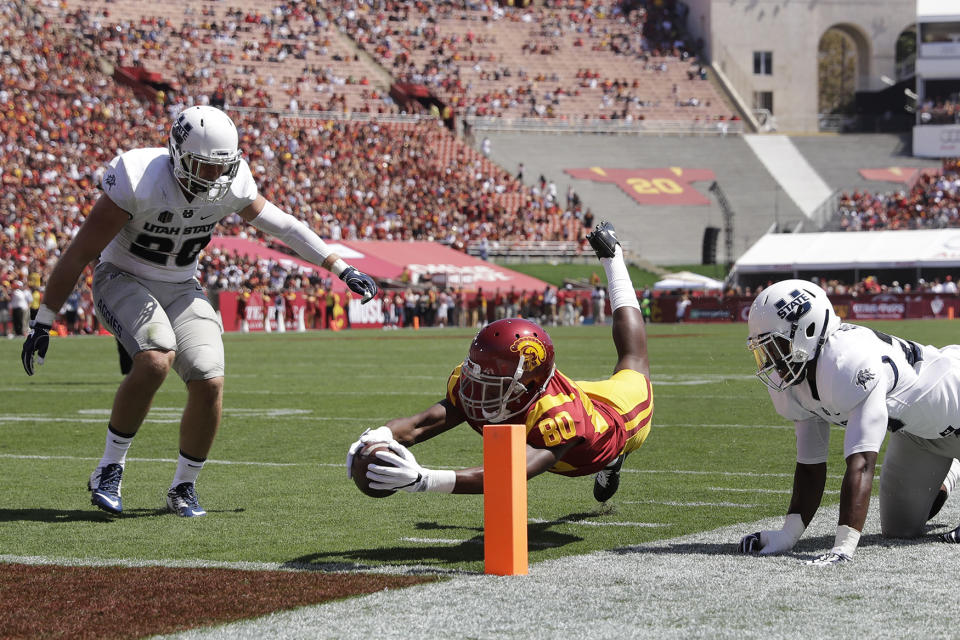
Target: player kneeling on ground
[820, 371]
[573, 428]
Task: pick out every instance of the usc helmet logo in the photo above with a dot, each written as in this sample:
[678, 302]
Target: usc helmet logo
[531, 350]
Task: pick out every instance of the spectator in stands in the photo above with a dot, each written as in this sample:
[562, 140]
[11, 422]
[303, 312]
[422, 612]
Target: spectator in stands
[683, 303]
[599, 299]
[6, 326]
[20, 308]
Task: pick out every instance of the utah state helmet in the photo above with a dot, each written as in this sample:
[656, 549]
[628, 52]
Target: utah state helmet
[788, 323]
[508, 366]
[204, 150]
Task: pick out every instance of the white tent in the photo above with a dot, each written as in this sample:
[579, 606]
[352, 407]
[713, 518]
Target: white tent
[687, 280]
[861, 250]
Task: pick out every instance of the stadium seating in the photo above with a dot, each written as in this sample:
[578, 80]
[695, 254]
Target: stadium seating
[64, 119]
[578, 61]
[932, 202]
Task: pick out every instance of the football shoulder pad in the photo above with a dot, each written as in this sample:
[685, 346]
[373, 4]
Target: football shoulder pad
[845, 377]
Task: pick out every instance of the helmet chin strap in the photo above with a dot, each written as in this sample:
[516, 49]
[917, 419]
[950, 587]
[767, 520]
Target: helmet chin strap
[823, 332]
[816, 352]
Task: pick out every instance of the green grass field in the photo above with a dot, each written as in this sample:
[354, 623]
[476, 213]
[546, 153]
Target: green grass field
[275, 486]
[557, 274]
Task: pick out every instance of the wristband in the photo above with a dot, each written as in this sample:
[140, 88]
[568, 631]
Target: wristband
[793, 526]
[439, 481]
[338, 267]
[45, 316]
[846, 541]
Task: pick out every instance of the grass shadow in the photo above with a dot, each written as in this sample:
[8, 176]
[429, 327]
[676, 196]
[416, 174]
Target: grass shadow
[436, 556]
[63, 516]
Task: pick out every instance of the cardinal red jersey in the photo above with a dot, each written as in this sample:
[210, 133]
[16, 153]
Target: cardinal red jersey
[608, 416]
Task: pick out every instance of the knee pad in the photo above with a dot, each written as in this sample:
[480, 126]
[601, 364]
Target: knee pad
[200, 363]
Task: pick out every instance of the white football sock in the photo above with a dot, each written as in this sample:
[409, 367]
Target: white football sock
[619, 287]
[187, 470]
[115, 449]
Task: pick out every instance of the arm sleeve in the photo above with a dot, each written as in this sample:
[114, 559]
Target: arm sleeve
[867, 424]
[299, 237]
[813, 440]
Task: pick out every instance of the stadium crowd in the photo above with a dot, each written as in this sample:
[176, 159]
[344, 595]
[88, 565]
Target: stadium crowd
[932, 202]
[64, 119]
[939, 111]
[293, 56]
[531, 65]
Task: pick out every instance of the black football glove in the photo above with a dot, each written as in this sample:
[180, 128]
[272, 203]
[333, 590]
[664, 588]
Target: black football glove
[35, 345]
[360, 283]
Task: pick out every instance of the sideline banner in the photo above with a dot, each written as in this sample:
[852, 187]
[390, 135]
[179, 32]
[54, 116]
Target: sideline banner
[888, 306]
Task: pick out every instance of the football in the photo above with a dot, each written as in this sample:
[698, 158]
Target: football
[363, 459]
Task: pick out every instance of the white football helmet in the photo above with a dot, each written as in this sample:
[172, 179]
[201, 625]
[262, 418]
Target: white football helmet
[788, 324]
[204, 150]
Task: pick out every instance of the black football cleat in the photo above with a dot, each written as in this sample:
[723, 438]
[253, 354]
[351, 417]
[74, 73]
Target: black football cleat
[104, 487]
[607, 480]
[603, 239]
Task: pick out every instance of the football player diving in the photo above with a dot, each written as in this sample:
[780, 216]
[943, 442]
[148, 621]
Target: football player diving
[573, 428]
[819, 372]
[158, 210]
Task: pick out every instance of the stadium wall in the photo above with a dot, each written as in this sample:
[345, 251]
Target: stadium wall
[732, 30]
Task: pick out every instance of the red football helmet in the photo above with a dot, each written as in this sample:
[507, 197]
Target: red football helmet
[508, 366]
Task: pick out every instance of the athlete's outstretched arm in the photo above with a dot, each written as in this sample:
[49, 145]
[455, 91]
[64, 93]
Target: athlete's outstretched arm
[101, 226]
[104, 222]
[438, 418]
[402, 471]
[538, 461]
[266, 216]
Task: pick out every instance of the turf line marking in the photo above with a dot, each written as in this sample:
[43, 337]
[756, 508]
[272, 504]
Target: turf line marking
[747, 474]
[672, 503]
[397, 569]
[782, 491]
[43, 419]
[442, 540]
[592, 523]
[24, 456]
[166, 460]
[687, 425]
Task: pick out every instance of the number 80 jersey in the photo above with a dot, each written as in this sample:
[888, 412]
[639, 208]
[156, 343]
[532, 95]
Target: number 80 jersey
[166, 232]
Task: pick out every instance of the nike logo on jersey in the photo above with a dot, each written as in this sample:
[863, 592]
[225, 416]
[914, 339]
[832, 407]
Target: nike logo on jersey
[209, 216]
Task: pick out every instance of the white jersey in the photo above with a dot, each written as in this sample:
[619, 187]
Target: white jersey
[166, 231]
[869, 382]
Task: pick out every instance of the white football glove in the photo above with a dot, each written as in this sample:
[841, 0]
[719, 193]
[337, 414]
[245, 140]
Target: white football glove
[843, 548]
[829, 559]
[402, 471]
[777, 541]
[380, 434]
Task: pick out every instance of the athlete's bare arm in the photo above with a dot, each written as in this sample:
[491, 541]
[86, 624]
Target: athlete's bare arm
[101, 226]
